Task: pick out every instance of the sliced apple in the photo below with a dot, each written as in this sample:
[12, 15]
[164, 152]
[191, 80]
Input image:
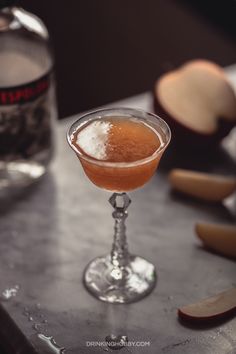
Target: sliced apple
[209, 187]
[214, 307]
[198, 103]
[218, 237]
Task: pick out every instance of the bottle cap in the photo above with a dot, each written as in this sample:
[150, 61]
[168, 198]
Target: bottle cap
[7, 3]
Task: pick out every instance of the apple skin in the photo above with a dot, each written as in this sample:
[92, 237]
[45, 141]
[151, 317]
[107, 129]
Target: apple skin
[216, 307]
[207, 319]
[186, 137]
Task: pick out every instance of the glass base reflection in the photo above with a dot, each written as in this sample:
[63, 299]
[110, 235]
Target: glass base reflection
[120, 284]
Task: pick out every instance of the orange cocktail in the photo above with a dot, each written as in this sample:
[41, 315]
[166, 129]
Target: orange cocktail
[125, 145]
[119, 149]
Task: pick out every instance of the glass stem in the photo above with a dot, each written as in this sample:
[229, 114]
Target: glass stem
[119, 252]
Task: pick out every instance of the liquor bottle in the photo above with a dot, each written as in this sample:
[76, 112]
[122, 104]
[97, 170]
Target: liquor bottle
[27, 97]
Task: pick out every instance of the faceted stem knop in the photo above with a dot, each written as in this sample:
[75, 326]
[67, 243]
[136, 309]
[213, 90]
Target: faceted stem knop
[119, 252]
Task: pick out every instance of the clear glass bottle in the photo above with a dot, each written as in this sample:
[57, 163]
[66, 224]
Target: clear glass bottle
[27, 97]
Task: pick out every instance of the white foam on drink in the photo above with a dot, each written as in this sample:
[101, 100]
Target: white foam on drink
[93, 139]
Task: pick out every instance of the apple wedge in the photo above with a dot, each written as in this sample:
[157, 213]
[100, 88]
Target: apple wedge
[209, 187]
[198, 103]
[218, 237]
[214, 307]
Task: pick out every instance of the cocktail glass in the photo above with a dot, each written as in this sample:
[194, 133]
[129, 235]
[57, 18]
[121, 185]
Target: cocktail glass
[120, 277]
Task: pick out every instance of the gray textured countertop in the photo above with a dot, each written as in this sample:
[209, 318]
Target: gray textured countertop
[48, 236]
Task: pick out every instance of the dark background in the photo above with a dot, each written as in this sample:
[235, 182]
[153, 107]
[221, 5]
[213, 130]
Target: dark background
[106, 50]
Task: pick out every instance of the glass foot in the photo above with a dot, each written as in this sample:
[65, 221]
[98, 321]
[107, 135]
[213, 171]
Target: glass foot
[120, 285]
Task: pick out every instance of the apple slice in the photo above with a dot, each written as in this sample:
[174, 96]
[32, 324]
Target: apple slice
[209, 187]
[219, 237]
[214, 307]
[198, 103]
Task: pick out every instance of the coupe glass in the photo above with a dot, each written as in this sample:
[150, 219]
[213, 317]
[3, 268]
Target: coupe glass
[120, 277]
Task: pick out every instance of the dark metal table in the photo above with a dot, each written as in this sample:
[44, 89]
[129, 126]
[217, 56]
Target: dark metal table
[48, 235]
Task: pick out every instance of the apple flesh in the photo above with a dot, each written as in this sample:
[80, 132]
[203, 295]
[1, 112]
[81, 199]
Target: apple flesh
[218, 237]
[205, 186]
[198, 103]
[212, 308]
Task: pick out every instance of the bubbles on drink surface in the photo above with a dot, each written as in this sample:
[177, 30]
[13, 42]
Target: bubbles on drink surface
[93, 139]
[117, 139]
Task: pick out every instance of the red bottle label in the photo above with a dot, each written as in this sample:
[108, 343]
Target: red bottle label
[24, 93]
